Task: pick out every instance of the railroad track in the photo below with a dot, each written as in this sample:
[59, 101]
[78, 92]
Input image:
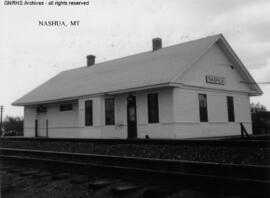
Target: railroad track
[219, 141]
[247, 180]
[43, 182]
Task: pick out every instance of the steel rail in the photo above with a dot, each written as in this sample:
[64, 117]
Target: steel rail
[244, 179]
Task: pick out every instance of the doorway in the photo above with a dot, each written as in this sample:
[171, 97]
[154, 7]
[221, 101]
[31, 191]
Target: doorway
[36, 128]
[42, 126]
[131, 117]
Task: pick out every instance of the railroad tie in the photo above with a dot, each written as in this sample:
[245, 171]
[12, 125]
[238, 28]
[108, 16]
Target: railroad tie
[124, 189]
[15, 170]
[28, 172]
[41, 175]
[7, 168]
[158, 191]
[100, 183]
[60, 176]
[79, 179]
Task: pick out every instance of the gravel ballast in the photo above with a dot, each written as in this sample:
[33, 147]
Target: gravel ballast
[175, 150]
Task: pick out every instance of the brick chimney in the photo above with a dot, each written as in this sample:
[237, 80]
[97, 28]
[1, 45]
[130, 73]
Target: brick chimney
[157, 44]
[90, 60]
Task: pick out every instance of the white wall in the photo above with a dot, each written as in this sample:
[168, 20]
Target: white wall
[60, 123]
[119, 130]
[186, 114]
[178, 116]
[164, 128]
[99, 129]
[95, 130]
[29, 121]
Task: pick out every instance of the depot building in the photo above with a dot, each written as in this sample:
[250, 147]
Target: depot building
[195, 89]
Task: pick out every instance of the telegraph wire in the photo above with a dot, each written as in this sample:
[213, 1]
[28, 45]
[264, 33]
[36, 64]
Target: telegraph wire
[261, 83]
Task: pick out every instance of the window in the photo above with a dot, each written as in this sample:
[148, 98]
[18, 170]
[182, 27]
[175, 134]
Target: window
[88, 113]
[41, 109]
[230, 107]
[203, 107]
[109, 111]
[153, 114]
[66, 107]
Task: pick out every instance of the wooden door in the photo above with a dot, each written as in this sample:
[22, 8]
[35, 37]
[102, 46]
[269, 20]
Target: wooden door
[131, 117]
[42, 130]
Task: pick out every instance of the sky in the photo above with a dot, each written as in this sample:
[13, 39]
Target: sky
[32, 54]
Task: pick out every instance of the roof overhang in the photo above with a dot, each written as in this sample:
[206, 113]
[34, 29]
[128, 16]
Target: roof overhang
[255, 89]
[116, 92]
[136, 89]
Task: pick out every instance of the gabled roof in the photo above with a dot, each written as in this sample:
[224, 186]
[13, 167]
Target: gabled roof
[149, 69]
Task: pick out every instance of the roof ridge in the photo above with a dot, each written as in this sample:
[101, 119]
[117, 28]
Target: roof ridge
[145, 52]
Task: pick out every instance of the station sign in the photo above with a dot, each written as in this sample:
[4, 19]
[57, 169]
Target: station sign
[215, 79]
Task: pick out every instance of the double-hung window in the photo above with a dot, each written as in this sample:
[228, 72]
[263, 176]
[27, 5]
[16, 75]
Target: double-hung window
[153, 111]
[203, 108]
[109, 111]
[88, 113]
[66, 107]
[230, 107]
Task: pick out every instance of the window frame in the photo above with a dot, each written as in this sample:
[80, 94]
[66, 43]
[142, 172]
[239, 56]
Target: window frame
[230, 109]
[41, 109]
[109, 111]
[203, 109]
[66, 107]
[88, 119]
[153, 107]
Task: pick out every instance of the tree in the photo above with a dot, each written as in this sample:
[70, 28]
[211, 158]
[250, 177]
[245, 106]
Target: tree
[13, 124]
[258, 107]
[260, 119]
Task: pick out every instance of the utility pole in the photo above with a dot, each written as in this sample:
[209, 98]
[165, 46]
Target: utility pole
[1, 119]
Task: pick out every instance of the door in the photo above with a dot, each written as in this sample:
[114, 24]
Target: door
[36, 128]
[47, 128]
[42, 126]
[131, 117]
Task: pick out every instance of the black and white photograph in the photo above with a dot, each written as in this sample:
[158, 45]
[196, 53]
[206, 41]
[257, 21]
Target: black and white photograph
[134, 98]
